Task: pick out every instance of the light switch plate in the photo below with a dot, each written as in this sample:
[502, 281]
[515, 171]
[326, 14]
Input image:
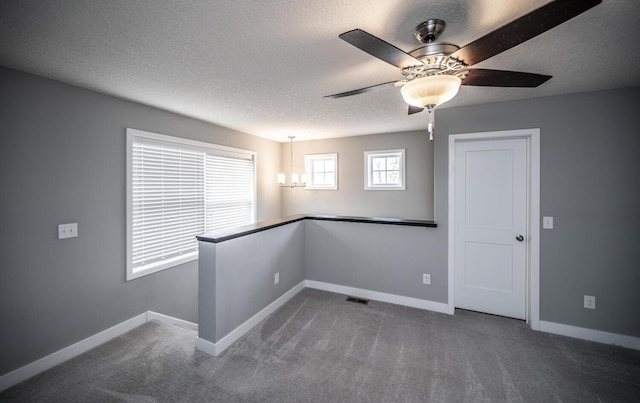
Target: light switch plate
[547, 222]
[590, 302]
[68, 230]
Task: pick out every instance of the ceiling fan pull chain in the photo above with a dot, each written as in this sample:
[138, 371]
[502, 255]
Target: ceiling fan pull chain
[432, 122]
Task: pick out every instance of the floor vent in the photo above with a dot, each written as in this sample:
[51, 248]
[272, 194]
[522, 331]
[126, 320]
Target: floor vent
[358, 300]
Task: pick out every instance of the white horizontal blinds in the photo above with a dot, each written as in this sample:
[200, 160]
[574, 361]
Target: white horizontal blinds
[177, 189]
[167, 201]
[229, 191]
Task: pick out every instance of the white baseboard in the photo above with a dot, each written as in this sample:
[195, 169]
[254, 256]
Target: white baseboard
[215, 349]
[23, 373]
[591, 334]
[380, 296]
[207, 347]
[544, 326]
[171, 320]
[60, 356]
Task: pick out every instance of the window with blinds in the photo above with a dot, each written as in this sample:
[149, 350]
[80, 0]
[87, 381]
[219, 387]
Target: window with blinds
[177, 189]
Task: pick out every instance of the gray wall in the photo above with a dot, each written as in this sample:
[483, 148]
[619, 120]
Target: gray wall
[237, 276]
[351, 198]
[375, 257]
[590, 184]
[62, 159]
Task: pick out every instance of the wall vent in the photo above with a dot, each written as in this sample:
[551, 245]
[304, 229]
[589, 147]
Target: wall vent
[358, 300]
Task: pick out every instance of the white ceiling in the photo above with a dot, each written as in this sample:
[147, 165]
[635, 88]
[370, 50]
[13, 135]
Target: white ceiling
[263, 67]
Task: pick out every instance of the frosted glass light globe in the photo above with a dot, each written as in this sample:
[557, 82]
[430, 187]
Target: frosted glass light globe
[430, 90]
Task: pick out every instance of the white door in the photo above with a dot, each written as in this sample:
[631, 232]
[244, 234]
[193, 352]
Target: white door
[490, 233]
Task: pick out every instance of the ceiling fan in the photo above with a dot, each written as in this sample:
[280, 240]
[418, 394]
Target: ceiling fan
[434, 71]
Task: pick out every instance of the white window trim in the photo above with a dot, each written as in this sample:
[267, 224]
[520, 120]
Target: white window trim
[308, 160]
[132, 134]
[381, 153]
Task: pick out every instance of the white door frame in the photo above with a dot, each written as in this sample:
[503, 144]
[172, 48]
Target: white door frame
[533, 214]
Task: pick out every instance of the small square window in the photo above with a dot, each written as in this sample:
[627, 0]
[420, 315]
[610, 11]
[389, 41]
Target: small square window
[384, 170]
[322, 171]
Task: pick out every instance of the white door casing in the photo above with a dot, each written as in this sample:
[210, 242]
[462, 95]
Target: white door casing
[482, 236]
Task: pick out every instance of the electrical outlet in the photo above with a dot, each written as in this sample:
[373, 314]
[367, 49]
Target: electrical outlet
[426, 278]
[67, 230]
[276, 278]
[590, 302]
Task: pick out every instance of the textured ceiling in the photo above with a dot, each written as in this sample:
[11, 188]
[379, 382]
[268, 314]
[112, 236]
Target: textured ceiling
[263, 67]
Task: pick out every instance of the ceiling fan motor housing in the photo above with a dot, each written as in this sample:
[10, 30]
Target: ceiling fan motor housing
[434, 56]
[429, 31]
[435, 60]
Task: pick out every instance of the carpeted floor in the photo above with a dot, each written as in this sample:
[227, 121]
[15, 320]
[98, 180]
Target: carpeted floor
[320, 348]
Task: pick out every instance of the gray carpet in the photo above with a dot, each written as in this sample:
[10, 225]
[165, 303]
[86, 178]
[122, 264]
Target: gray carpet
[319, 348]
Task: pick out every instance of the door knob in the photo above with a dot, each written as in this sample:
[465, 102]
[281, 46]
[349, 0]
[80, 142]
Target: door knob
[519, 238]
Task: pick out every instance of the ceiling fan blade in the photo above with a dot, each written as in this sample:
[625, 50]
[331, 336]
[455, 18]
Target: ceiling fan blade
[378, 48]
[414, 109]
[502, 78]
[362, 90]
[522, 29]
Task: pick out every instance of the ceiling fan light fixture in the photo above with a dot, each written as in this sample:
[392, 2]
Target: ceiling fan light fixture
[431, 90]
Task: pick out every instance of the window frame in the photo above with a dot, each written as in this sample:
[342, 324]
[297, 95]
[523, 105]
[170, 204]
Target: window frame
[308, 163]
[368, 169]
[185, 144]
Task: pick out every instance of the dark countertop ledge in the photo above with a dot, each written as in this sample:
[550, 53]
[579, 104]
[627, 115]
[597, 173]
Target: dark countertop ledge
[237, 232]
